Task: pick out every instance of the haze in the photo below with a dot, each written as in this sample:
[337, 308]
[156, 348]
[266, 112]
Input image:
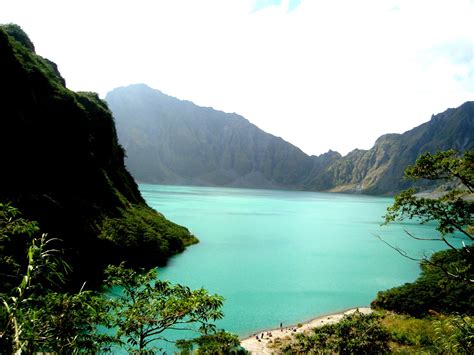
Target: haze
[329, 74]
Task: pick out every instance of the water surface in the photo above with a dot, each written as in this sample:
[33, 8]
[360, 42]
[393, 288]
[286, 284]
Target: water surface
[285, 256]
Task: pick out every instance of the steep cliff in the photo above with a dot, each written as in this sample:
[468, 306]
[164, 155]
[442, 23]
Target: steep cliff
[176, 142]
[63, 166]
[172, 141]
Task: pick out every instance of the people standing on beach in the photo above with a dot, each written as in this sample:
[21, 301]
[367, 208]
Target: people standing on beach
[281, 326]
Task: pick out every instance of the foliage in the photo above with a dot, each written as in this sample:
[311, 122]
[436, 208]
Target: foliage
[433, 290]
[25, 262]
[455, 335]
[16, 32]
[446, 283]
[32, 316]
[220, 342]
[142, 233]
[444, 165]
[399, 334]
[67, 323]
[434, 334]
[40, 264]
[409, 334]
[354, 334]
[63, 167]
[15, 233]
[451, 211]
[145, 307]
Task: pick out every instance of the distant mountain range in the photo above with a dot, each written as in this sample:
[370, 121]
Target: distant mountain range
[171, 141]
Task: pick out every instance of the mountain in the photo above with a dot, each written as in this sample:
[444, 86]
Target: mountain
[380, 170]
[171, 141]
[62, 166]
[177, 142]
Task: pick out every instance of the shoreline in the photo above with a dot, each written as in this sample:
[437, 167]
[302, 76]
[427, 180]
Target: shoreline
[254, 346]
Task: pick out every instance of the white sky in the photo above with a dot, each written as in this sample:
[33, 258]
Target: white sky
[322, 74]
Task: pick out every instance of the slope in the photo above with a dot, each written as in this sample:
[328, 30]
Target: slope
[380, 170]
[63, 167]
[176, 142]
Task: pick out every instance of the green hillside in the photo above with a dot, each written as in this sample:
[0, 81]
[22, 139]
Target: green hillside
[63, 167]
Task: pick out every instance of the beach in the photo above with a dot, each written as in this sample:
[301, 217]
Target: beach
[259, 346]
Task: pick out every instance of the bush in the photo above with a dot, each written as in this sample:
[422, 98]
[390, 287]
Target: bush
[142, 233]
[354, 334]
[455, 334]
[433, 290]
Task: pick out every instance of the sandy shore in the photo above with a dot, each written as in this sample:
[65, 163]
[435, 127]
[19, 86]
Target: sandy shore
[260, 346]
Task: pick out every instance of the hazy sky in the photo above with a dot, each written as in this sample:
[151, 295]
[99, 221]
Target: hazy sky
[322, 74]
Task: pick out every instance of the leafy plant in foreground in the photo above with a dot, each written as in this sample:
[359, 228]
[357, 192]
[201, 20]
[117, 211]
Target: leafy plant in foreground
[145, 307]
[455, 335]
[220, 342]
[452, 211]
[33, 316]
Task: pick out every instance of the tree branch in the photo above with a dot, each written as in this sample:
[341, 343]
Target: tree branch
[425, 259]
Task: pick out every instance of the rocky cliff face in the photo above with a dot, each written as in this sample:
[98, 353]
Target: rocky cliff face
[380, 169]
[177, 142]
[62, 166]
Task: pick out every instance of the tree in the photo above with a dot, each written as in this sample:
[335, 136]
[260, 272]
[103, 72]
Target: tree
[34, 317]
[452, 211]
[30, 273]
[220, 342]
[37, 316]
[145, 307]
[455, 335]
[68, 323]
[16, 234]
[432, 290]
[354, 334]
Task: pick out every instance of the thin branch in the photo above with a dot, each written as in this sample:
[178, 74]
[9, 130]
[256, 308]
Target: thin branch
[442, 239]
[397, 249]
[146, 342]
[425, 259]
[459, 228]
[421, 238]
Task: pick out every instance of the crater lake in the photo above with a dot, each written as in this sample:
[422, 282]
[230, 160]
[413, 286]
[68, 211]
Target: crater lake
[286, 256]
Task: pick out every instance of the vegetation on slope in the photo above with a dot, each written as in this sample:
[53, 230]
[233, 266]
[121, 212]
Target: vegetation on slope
[434, 313]
[37, 316]
[63, 166]
[433, 290]
[447, 280]
[383, 333]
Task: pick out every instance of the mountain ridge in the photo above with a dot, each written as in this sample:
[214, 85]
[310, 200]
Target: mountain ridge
[184, 143]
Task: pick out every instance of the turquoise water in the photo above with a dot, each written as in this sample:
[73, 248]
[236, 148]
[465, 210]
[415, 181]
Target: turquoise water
[285, 256]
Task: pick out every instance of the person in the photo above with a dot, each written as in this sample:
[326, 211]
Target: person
[281, 326]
